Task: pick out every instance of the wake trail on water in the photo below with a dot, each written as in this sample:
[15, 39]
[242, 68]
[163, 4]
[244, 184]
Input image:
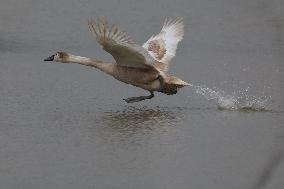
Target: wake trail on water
[238, 101]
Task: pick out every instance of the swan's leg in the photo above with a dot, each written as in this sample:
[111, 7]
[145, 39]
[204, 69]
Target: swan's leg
[162, 82]
[139, 98]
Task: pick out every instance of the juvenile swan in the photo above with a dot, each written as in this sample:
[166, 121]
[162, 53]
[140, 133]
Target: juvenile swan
[142, 66]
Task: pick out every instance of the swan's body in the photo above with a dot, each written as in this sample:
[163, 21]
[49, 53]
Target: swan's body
[144, 67]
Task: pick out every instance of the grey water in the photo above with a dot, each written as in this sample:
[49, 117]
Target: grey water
[67, 126]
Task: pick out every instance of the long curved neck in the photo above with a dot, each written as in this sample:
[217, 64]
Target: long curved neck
[103, 66]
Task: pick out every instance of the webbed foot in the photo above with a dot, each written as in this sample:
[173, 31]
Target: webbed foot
[139, 98]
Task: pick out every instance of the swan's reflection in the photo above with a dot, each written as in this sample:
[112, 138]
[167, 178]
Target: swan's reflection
[133, 119]
[133, 126]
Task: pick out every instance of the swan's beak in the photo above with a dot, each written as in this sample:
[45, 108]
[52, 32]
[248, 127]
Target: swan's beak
[51, 58]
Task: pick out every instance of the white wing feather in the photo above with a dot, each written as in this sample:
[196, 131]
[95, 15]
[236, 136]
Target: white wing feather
[163, 46]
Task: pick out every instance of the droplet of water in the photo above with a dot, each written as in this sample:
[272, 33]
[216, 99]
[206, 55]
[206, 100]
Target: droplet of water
[239, 100]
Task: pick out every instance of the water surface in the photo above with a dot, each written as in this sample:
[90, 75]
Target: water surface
[66, 126]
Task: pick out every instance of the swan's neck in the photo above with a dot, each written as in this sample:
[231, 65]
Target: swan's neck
[105, 67]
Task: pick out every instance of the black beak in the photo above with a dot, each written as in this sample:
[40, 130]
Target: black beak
[51, 58]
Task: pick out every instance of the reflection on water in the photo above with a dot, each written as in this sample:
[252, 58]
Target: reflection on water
[270, 168]
[132, 118]
[131, 125]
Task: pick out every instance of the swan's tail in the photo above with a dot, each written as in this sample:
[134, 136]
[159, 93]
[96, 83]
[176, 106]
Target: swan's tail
[172, 84]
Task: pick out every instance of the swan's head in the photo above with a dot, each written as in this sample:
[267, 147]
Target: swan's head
[58, 57]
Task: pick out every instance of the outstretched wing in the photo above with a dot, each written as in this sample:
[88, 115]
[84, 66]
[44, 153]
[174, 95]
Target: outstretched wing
[120, 46]
[163, 46]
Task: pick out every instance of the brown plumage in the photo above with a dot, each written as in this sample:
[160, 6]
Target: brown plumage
[142, 66]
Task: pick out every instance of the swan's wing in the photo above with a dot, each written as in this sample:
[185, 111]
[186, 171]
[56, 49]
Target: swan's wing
[120, 46]
[163, 46]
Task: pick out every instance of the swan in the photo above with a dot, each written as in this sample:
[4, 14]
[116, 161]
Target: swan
[143, 66]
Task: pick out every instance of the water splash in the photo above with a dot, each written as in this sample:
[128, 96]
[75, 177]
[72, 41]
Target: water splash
[238, 101]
